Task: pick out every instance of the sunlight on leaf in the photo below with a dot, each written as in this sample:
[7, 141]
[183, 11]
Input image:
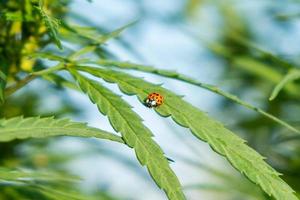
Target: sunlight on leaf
[181, 77]
[222, 140]
[134, 133]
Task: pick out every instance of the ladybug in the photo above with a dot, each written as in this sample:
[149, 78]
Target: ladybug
[154, 100]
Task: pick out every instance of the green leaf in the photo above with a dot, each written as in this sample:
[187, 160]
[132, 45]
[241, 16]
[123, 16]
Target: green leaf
[181, 77]
[114, 34]
[222, 140]
[292, 75]
[2, 86]
[46, 55]
[53, 185]
[134, 133]
[82, 51]
[264, 71]
[23, 176]
[52, 25]
[91, 34]
[36, 127]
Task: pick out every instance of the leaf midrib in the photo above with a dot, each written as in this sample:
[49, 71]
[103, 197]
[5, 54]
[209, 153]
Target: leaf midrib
[254, 166]
[137, 135]
[87, 131]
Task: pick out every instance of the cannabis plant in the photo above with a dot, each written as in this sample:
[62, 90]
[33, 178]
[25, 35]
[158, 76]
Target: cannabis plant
[38, 41]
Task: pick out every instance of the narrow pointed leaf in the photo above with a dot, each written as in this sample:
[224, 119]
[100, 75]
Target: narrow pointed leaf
[46, 55]
[36, 127]
[93, 35]
[114, 34]
[181, 77]
[223, 141]
[134, 133]
[82, 51]
[7, 174]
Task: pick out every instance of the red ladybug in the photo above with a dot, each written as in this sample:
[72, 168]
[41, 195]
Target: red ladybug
[154, 100]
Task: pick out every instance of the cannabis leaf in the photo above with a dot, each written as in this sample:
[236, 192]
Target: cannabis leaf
[178, 76]
[134, 133]
[222, 140]
[36, 127]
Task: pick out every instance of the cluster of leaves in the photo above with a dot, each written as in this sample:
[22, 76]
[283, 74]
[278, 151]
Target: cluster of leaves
[27, 65]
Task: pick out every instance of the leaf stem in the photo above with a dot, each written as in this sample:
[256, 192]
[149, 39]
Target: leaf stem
[10, 90]
[50, 70]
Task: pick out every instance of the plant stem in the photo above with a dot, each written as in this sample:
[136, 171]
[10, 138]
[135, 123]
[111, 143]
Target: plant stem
[10, 90]
[18, 85]
[50, 70]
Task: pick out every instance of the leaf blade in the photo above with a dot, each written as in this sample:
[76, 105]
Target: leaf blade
[222, 140]
[114, 34]
[180, 77]
[36, 127]
[135, 134]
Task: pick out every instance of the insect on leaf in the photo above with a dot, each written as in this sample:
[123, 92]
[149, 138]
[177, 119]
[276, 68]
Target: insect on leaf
[181, 77]
[223, 141]
[134, 133]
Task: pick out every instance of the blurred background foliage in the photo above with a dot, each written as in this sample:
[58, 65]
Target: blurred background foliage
[248, 46]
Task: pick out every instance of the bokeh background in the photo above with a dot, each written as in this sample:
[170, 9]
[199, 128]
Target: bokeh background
[239, 45]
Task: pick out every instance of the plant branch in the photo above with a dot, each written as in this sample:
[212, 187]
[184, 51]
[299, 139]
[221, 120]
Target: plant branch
[12, 89]
[20, 84]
